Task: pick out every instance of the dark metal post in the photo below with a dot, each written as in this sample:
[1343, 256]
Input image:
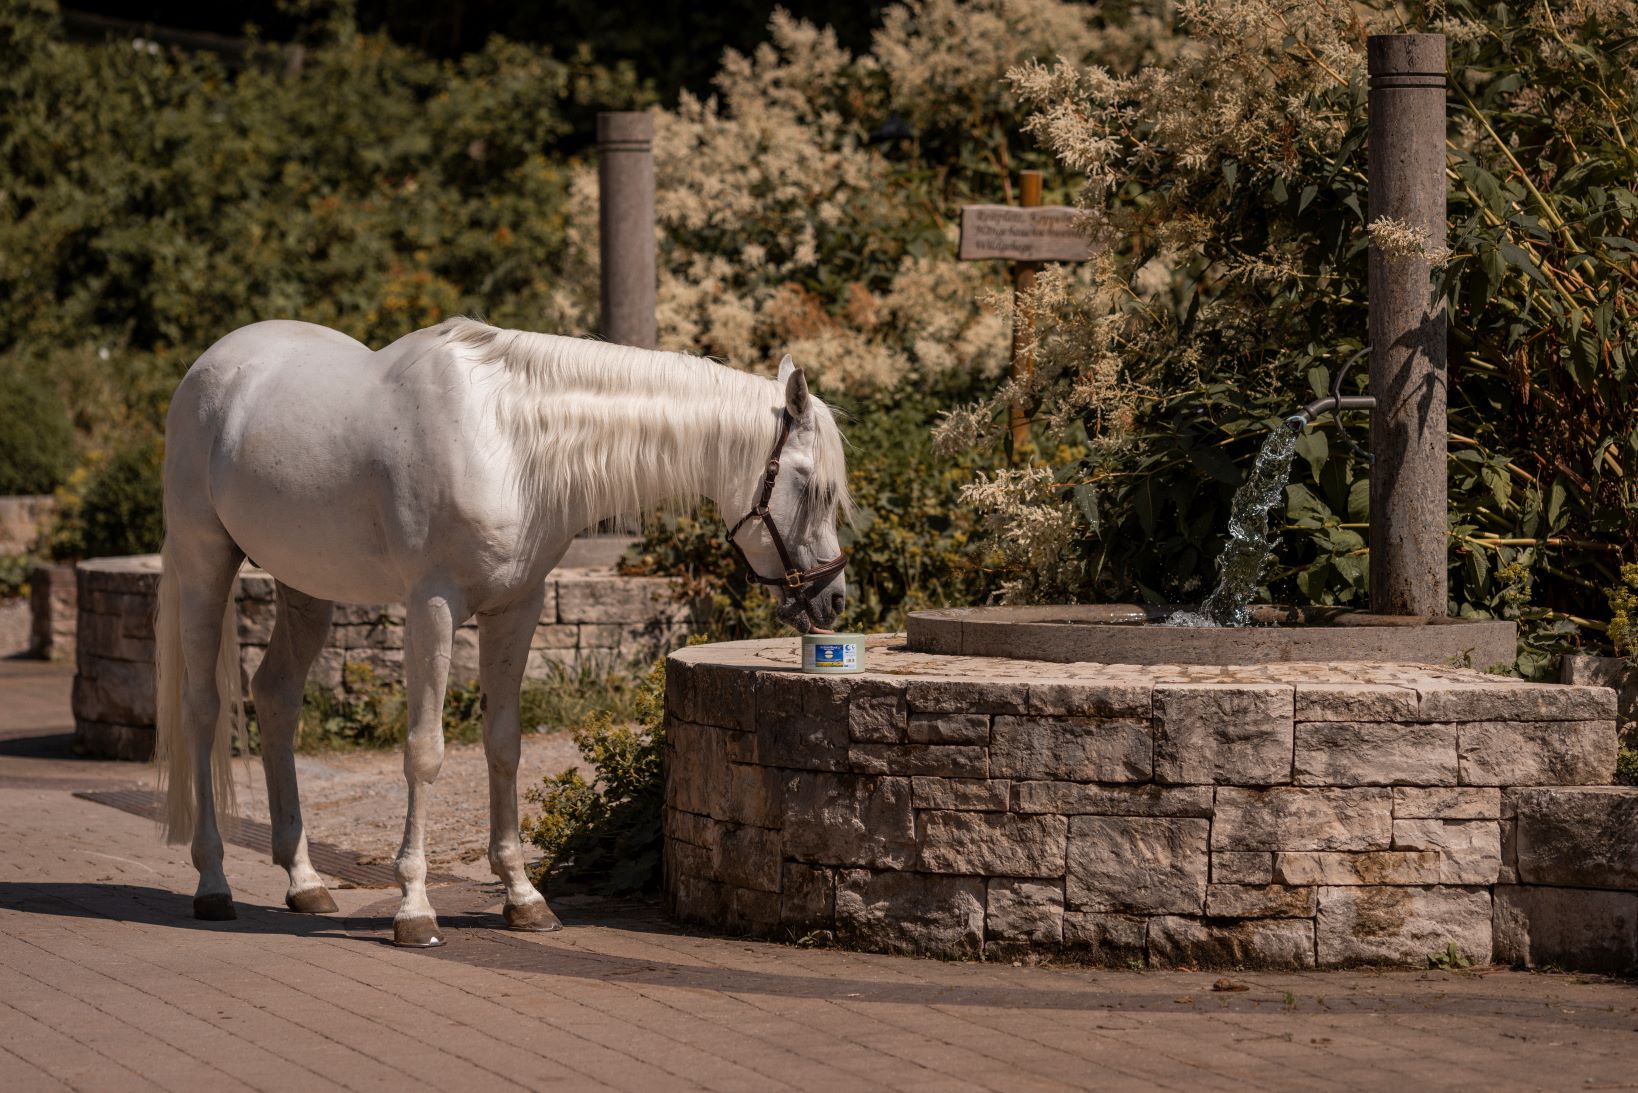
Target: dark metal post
[1409, 535]
[625, 186]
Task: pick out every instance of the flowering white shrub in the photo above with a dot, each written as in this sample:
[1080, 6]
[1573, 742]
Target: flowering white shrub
[794, 218]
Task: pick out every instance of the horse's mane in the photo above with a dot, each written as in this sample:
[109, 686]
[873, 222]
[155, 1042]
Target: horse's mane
[614, 424]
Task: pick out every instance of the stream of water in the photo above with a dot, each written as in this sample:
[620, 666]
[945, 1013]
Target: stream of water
[1240, 566]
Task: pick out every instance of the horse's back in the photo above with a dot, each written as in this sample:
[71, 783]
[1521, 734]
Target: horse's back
[319, 457]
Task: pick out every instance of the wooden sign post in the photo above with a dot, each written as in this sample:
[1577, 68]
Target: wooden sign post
[1026, 234]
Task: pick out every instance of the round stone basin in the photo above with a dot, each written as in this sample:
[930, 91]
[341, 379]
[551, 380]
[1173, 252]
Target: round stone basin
[1135, 634]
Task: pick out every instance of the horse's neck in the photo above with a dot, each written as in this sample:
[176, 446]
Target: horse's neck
[595, 456]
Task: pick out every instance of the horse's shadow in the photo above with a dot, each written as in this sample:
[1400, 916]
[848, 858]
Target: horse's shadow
[139, 904]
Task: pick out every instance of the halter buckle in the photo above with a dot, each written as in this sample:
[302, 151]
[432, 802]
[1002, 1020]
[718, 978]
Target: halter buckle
[795, 579]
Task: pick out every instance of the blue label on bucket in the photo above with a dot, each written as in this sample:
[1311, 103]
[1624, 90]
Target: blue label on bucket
[829, 654]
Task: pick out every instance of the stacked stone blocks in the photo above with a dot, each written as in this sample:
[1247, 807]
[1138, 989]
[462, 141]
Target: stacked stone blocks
[592, 620]
[1311, 822]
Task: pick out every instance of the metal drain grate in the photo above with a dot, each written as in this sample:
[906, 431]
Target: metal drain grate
[327, 858]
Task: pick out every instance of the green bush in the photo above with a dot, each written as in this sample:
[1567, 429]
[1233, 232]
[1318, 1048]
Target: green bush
[36, 436]
[605, 834]
[114, 506]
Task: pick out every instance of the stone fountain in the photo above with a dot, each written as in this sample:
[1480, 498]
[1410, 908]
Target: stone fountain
[1075, 783]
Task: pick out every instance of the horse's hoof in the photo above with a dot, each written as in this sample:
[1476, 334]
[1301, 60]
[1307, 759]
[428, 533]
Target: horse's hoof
[532, 916]
[417, 933]
[311, 901]
[215, 908]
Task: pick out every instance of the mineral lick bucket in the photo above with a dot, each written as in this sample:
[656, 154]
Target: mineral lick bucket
[833, 654]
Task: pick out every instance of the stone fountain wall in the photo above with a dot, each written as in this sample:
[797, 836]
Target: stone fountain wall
[1282, 815]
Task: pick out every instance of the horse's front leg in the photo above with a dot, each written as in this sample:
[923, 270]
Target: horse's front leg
[503, 653]
[430, 619]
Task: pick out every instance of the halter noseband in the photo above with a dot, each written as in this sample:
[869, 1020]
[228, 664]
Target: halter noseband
[800, 583]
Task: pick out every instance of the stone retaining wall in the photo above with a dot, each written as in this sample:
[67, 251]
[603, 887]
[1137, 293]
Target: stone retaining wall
[1281, 815]
[53, 610]
[593, 619]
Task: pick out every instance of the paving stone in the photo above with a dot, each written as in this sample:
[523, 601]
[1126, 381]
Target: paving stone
[1077, 798]
[1333, 701]
[1024, 910]
[877, 712]
[1364, 867]
[1537, 753]
[961, 794]
[850, 819]
[1260, 901]
[939, 760]
[1144, 864]
[1094, 937]
[1402, 925]
[1240, 735]
[1107, 700]
[807, 897]
[1375, 753]
[1577, 837]
[1476, 803]
[1579, 928]
[1072, 748]
[1291, 818]
[992, 844]
[1258, 943]
[949, 728]
[1469, 850]
[1242, 867]
[910, 913]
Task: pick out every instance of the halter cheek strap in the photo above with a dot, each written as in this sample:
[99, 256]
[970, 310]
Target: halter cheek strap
[800, 583]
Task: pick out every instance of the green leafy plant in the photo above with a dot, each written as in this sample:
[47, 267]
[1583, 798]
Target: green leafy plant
[1623, 598]
[606, 833]
[14, 571]
[115, 505]
[36, 435]
[1449, 959]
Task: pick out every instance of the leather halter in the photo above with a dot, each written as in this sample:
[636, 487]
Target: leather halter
[800, 583]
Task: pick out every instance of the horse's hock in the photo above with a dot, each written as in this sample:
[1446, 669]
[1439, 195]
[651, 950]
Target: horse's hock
[593, 619]
[1286, 815]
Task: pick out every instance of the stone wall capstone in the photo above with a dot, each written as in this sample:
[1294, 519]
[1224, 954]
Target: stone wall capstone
[592, 620]
[1281, 815]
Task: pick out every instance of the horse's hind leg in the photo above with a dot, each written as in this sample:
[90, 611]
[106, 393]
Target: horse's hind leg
[503, 652]
[430, 617]
[298, 635]
[207, 563]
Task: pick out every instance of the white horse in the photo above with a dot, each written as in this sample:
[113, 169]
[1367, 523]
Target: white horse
[449, 472]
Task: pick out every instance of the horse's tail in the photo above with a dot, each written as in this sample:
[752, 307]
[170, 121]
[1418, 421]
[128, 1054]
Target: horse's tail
[173, 748]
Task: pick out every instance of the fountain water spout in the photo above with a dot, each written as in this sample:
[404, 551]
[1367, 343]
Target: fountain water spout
[1335, 402]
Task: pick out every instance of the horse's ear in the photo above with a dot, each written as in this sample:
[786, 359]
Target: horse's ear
[796, 387]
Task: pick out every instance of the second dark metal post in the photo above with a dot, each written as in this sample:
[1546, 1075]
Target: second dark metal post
[625, 188]
[1408, 535]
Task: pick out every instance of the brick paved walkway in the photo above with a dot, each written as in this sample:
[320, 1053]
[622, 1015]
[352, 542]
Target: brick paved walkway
[106, 983]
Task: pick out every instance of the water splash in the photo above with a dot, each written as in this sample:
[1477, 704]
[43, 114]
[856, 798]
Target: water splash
[1240, 566]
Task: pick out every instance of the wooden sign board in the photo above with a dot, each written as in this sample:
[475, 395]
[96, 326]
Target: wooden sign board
[1045, 233]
